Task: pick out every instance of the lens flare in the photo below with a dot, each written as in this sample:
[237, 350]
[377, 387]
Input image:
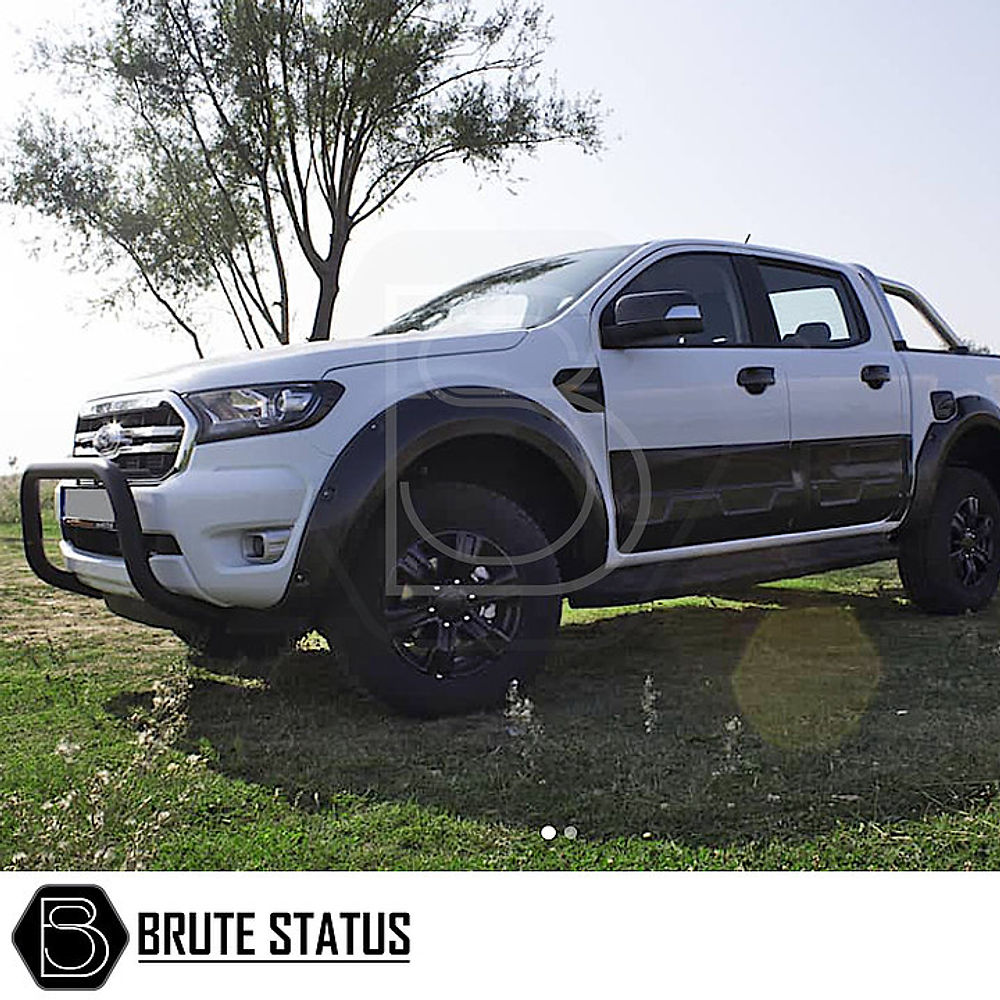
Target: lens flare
[807, 677]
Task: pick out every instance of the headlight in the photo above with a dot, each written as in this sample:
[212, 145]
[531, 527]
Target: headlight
[246, 411]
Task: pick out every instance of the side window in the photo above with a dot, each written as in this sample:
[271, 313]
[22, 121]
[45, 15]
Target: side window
[812, 308]
[711, 280]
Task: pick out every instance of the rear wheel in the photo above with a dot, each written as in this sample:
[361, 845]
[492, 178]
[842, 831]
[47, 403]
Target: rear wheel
[471, 604]
[950, 563]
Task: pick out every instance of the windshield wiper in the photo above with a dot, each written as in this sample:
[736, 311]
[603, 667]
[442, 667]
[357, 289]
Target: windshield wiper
[420, 325]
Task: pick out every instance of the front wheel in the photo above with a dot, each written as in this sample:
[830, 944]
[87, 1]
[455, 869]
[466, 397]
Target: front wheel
[950, 563]
[472, 602]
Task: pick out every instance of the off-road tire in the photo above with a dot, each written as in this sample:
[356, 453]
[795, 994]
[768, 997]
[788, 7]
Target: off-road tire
[476, 668]
[961, 531]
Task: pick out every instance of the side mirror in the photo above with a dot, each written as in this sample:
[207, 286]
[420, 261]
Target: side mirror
[643, 318]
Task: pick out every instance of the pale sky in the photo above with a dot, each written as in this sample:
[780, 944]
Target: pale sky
[863, 130]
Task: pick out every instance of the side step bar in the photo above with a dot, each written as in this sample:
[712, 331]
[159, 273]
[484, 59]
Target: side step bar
[683, 577]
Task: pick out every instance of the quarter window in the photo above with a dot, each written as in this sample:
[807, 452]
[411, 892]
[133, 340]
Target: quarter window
[811, 308]
[918, 334]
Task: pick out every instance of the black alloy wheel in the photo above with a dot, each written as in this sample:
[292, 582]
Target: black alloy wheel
[472, 603]
[442, 624]
[972, 542]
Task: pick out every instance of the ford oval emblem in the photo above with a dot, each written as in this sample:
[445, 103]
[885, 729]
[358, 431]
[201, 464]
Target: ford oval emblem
[110, 439]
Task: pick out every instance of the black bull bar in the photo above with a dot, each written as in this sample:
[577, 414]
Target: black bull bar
[127, 527]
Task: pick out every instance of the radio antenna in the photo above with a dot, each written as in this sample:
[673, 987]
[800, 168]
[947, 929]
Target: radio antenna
[747, 240]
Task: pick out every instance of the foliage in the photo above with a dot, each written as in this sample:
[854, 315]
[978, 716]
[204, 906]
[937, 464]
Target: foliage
[10, 508]
[115, 814]
[976, 348]
[220, 138]
[10, 505]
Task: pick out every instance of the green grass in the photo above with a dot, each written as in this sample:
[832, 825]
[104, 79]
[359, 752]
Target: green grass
[9, 505]
[819, 723]
[10, 508]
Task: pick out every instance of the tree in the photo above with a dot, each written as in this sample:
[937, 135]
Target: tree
[975, 347]
[244, 132]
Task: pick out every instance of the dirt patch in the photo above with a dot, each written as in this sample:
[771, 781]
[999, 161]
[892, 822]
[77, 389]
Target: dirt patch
[32, 611]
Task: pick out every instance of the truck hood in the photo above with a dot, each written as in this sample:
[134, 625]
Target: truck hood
[306, 362]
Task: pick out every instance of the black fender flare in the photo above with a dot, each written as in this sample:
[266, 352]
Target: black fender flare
[356, 484]
[971, 412]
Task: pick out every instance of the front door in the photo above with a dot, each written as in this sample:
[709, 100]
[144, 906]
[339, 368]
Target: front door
[698, 425]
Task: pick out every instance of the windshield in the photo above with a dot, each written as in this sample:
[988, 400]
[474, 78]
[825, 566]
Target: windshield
[518, 297]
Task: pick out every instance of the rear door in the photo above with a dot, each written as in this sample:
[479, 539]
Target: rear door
[695, 457]
[846, 388]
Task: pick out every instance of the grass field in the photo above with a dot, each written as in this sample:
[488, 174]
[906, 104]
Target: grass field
[821, 723]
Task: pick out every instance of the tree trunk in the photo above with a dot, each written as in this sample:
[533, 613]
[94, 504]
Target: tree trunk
[328, 289]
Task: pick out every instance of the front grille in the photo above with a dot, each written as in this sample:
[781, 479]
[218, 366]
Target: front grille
[150, 439]
[103, 542]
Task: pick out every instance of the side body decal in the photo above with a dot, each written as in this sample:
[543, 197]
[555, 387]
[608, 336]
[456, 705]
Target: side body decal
[719, 494]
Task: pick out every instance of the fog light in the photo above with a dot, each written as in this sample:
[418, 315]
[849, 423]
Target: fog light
[266, 545]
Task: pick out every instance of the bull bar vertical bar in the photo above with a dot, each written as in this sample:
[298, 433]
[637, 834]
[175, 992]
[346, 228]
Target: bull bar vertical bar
[127, 527]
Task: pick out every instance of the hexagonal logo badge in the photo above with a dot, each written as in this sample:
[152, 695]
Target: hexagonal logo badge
[70, 937]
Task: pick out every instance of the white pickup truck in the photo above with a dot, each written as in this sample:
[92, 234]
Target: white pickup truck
[606, 427]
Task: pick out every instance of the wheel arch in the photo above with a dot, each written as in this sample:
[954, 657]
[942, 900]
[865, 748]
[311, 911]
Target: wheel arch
[498, 439]
[971, 439]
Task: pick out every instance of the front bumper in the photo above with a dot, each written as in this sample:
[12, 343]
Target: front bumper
[134, 554]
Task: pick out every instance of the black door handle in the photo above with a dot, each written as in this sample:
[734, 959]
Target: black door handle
[876, 375]
[755, 380]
